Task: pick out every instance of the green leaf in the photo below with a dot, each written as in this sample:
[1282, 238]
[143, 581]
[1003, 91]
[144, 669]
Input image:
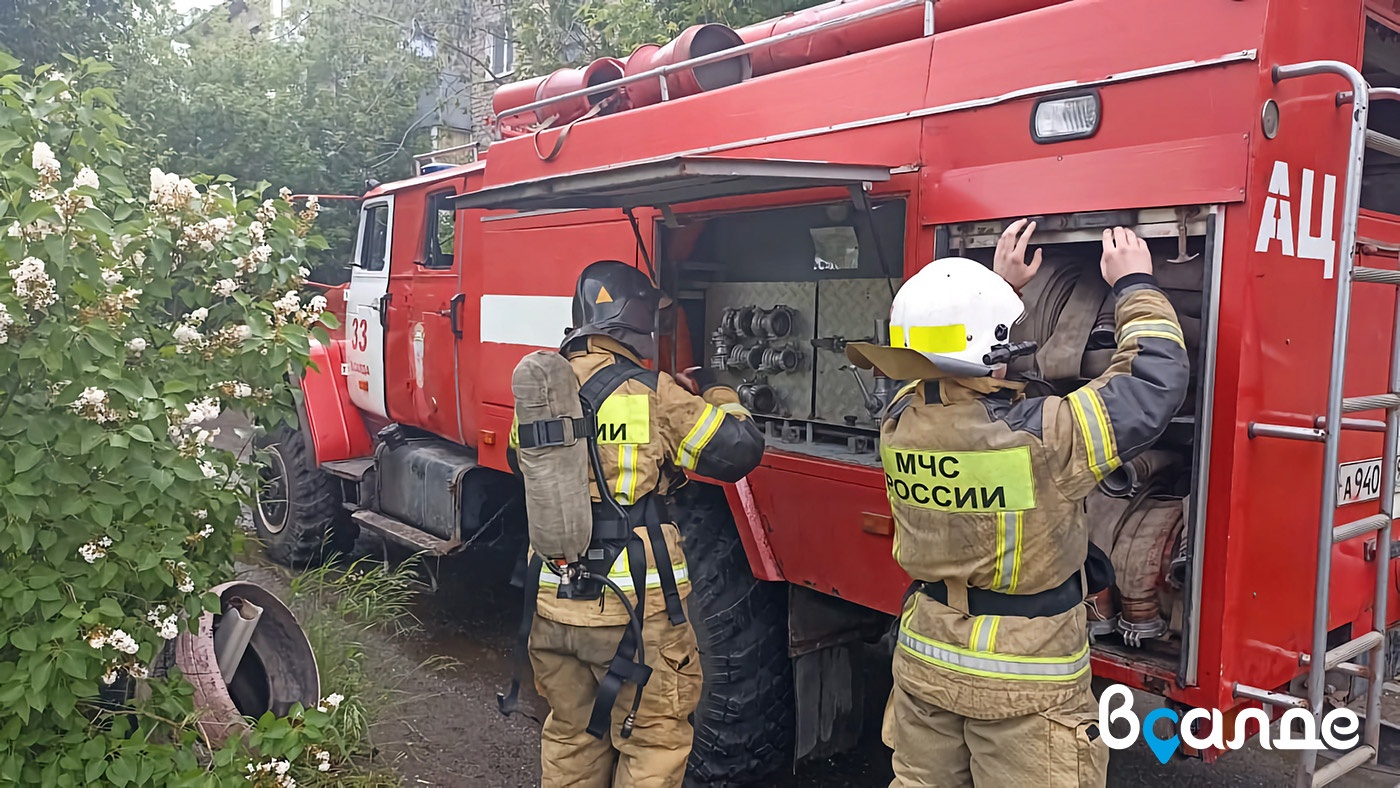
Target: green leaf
[27, 457]
[141, 433]
[24, 639]
[110, 607]
[8, 63]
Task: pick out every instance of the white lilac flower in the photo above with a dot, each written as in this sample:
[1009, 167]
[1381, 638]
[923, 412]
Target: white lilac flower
[136, 345]
[167, 624]
[242, 333]
[267, 212]
[32, 283]
[285, 193]
[202, 410]
[5, 322]
[97, 638]
[91, 552]
[138, 671]
[111, 277]
[122, 642]
[210, 471]
[170, 192]
[110, 677]
[317, 304]
[206, 532]
[186, 335]
[93, 405]
[256, 231]
[331, 702]
[198, 316]
[45, 163]
[87, 178]
[224, 287]
[323, 760]
[201, 514]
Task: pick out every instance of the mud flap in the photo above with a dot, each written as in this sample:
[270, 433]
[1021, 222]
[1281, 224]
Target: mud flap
[826, 638]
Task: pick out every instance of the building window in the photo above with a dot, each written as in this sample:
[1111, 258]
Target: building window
[500, 54]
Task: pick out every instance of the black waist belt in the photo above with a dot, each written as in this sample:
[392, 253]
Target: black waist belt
[982, 602]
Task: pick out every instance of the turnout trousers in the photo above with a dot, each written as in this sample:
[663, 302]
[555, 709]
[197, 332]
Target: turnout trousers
[1056, 748]
[570, 661]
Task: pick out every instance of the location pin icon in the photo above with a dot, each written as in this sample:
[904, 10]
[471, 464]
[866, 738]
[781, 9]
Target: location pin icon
[1162, 748]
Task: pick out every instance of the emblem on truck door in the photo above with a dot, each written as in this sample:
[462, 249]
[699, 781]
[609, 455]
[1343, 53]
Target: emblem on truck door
[418, 354]
[1277, 222]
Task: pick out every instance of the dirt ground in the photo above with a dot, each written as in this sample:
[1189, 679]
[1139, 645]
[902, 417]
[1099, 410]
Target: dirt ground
[443, 728]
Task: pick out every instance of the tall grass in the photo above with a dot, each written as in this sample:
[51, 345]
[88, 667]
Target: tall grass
[339, 607]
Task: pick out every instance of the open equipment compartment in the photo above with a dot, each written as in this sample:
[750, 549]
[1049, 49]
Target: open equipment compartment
[771, 296]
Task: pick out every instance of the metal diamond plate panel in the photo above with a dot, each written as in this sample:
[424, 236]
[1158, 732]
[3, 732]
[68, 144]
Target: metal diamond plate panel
[847, 308]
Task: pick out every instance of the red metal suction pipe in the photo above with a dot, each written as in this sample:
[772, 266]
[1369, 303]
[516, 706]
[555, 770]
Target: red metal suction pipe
[870, 34]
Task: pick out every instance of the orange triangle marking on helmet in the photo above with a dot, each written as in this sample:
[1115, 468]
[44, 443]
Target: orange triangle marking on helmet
[603, 296]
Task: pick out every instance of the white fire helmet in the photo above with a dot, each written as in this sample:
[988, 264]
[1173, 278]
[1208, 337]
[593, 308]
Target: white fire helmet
[944, 322]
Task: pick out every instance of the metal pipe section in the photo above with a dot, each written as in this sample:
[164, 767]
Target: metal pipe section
[233, 634]
[660, 72]
[914, 23]
[1351, 210]
[1259, 429]
[1269, 698]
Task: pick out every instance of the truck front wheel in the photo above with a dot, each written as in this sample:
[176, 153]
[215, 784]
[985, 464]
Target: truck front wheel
[744, 724]
[297, 510]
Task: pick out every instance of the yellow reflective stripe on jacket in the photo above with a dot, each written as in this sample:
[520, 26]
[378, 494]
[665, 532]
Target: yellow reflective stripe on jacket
[1094, 425]
[625, 418]
[1163, 329]
[983, 633]
[514, 433]
[991, 665]
[992, 636]
[688, 453]
[1007, 572]
[626, 490]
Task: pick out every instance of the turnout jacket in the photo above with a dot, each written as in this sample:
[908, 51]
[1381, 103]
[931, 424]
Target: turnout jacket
[651, 430]
[987, 489]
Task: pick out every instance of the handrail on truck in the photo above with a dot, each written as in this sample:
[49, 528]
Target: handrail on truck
[661, 72]
[1319, 660]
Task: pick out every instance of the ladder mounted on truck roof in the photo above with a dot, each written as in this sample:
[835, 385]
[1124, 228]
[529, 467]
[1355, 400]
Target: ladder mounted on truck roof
[1372, 643]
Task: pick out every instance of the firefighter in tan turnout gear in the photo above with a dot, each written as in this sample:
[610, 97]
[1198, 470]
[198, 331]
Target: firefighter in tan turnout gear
[650, 427]
[991, 668]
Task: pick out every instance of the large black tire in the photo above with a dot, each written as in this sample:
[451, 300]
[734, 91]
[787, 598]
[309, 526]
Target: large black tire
[297, 512]
[744, 725]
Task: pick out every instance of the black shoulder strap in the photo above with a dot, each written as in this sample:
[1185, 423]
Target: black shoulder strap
[509, 701]
[606, 380]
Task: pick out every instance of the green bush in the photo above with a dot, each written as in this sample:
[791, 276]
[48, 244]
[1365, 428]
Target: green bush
[128, 319]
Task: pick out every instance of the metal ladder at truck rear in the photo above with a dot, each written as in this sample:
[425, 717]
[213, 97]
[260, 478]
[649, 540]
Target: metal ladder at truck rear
[1343, 658]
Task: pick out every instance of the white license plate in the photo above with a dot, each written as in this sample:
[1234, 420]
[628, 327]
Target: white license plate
[1361, 481]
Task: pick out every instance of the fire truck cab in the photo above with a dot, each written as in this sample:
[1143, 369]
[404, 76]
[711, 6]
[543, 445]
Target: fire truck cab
[1253, 142]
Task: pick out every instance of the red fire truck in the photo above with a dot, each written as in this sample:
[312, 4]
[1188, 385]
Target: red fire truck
[780, 181]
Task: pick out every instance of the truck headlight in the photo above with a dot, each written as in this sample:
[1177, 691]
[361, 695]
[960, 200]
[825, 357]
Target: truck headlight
[1065, 118]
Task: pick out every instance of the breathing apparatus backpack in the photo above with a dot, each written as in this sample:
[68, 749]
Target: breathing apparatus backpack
[572, 537]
